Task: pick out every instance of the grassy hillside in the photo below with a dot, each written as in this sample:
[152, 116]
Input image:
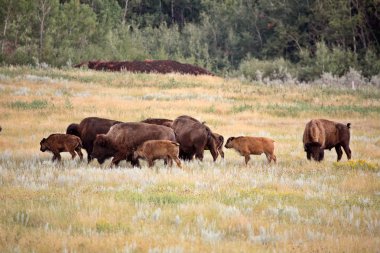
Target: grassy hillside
[294, 205]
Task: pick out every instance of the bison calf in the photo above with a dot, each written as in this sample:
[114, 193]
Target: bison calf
[158, 149]
[247, 146]
[57, 143]
[321, 134]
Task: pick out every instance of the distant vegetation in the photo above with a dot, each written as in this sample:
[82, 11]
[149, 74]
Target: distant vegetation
[266, 41]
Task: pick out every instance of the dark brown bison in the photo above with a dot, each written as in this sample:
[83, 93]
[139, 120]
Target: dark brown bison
[193, 137]
[321, 134]
[246, 146]
[158, 121]
[57, 143]
[123, 139]
[0, 129]
[219, 140]
[87, 130]
[158, 149]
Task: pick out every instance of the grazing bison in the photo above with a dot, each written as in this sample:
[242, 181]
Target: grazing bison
[87, 130]
[0, 129]
[57, 143]
[157, 121]
[321, 134]
[246, 146]
[123, 139]
[158, 149]
[193, 137]
[219, 140]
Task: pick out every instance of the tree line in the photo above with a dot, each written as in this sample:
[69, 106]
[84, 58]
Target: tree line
[307, 38]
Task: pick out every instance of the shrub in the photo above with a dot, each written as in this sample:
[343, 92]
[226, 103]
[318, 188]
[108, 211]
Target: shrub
[265, 71]
[333, 60]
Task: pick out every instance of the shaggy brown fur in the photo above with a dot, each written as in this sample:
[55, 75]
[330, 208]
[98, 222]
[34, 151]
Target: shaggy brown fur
[57, 143]
[246, 146]
[156, 121]
[219, 140]
[193, 137]
[158, 149]
[87, 130]
[321, 134]
[123, 139]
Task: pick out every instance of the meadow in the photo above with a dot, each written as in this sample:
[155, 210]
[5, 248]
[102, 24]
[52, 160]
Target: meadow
[292, 206]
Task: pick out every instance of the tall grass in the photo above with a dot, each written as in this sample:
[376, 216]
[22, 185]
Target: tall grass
[293, 206]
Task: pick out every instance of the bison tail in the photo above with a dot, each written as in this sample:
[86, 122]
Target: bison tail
[349, 125]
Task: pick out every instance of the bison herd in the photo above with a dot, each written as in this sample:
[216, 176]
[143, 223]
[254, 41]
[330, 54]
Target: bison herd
[183, 138]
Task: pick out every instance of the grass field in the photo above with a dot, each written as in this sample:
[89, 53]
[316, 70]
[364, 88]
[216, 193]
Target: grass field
[292, 206]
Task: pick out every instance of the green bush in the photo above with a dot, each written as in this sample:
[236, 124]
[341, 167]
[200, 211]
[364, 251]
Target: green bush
[34, 105]
[335, 61]
[261, 70]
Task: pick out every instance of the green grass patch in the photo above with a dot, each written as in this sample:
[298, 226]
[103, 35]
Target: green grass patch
[242, 108]
[156, 198]
[103, 226]
[34, 105]
[357, 165]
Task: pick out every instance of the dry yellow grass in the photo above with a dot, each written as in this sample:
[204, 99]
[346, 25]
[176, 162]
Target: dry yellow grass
[291, 206]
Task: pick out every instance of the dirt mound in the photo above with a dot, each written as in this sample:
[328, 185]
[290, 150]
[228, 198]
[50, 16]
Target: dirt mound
[147, 66]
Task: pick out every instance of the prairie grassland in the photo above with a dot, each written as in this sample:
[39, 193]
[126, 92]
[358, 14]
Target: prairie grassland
[292, 206]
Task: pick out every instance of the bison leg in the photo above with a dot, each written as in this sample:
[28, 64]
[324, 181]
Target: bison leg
[178, 162]
[73, 154]
[150, 163]
[58, 156]
[347, 150]
[199, 154]
[274, 158]
[308, 155]
[271, 157]
[221, 153]
[268, 157]
[339, 152]
[186, 156]
[170, 161]
[214, 153]
[247, 158]
[89, 157]
[116, 159]
[79, 151]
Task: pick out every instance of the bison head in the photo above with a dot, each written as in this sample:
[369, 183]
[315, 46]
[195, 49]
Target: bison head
[73, 129]
[229, 143]
[102, 148]
[138, 154]
[43, 144]
[315, 151]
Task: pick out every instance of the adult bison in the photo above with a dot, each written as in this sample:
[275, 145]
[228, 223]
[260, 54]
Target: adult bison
[87, 130]
[219, 140]
[321, 134]
[123, 139]
[193, 137]
[159, 121]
